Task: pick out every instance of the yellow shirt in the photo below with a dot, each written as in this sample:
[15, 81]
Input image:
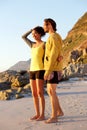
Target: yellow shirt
[37, 55]
[52, 51]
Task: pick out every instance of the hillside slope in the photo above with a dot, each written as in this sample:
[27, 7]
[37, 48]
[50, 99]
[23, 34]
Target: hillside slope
[76, 39]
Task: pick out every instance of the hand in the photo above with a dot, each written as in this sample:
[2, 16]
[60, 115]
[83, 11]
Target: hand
[45, 77]
[60, 58]
[49, 77]
[59, 75]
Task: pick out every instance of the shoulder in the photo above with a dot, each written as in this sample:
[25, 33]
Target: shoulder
[43, 45]
[33, 44]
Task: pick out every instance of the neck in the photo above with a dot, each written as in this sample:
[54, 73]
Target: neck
[38, 41]
[51, 31]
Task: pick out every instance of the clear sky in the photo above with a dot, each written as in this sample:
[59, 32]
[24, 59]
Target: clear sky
[18, 16]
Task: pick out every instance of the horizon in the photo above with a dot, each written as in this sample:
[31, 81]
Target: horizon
[17, 17]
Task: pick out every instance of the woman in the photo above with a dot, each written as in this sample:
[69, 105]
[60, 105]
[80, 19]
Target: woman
[37, 70]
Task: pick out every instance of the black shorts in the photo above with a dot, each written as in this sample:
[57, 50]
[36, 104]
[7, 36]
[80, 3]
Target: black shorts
[36, 74]
[53, 78]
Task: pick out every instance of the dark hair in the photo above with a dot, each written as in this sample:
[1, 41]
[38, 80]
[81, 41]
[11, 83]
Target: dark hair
[39, 30]
[52, 22]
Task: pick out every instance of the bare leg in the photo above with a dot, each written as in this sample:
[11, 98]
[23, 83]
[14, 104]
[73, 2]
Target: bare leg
[54, 102]
[59, 109]
[35, 98]
[40, 89]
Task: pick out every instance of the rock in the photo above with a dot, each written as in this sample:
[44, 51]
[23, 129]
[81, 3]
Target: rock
[19, 90]
[5, 85]
[20, 81]
[17, 96]
[27, 86]
[4, 95]
[23, 72]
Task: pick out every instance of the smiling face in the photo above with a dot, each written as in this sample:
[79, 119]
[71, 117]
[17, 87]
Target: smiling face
[36, 35]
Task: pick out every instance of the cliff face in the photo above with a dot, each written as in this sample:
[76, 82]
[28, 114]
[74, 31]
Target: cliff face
[76, 40]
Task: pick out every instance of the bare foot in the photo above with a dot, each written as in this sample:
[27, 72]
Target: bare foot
[40, 118]
[51, 120]
[34, 117]
[60, 114]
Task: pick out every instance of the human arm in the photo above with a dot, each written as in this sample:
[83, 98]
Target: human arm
[25, 38]
[53, 52]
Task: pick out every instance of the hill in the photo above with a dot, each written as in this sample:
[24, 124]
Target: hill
[76, 40]
[21, 65]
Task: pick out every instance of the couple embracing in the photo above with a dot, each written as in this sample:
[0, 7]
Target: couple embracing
[46, 63]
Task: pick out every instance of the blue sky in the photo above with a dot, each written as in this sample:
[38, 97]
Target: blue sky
[18, 16]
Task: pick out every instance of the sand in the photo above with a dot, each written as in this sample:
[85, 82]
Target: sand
[15, 114]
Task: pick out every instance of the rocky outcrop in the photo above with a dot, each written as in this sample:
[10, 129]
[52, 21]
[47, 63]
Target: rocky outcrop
[76, 41]
[14, 85]
[15, 93]
[14, 78]
[75, 70]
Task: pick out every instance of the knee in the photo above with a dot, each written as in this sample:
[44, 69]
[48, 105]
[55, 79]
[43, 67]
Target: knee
[34, 94]
[50, 92]
[40, 94]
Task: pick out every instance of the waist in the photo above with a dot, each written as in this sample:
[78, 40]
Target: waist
[36, 67]
[56, 67]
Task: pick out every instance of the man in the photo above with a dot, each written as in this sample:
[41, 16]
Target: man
[52, 65]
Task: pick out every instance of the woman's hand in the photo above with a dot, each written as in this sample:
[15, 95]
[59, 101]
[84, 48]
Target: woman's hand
[59, 58]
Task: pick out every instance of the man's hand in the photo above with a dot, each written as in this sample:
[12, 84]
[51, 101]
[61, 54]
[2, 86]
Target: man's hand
[45, 77]
[49, 77]
[60, 58]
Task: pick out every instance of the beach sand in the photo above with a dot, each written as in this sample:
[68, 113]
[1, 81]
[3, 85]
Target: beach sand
[15, 114]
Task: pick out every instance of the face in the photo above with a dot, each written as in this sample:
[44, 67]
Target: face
[36, 35]
[46, 27]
